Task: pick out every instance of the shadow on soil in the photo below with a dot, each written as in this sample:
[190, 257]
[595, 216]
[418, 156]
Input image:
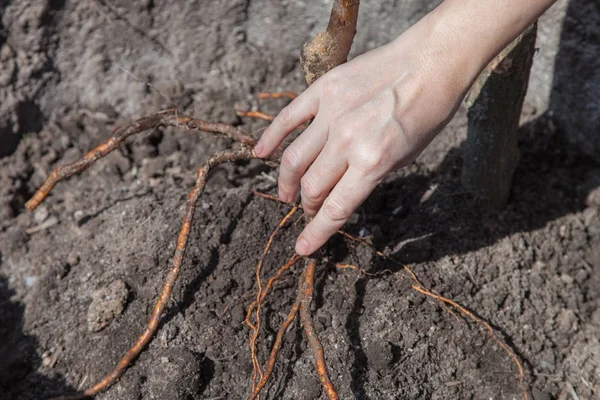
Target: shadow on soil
[424, 218]
[427, 217]
[18, 357]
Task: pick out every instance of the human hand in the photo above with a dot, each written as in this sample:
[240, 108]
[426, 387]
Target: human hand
[371, 115]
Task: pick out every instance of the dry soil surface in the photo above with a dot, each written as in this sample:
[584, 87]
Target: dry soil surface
[78, 288]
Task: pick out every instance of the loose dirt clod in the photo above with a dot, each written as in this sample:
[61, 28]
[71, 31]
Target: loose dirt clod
[107, 304]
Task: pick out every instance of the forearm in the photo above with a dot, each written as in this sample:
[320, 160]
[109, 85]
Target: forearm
[470, 33]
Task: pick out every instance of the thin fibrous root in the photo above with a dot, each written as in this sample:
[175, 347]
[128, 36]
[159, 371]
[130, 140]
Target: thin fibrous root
[418, 286]
[483, 323]
[259, 299]
[276, 95]
[362, 271]
[444, 301]
[255, 114]
[292, 261]
[406, 269]
[273, 280]
[266, 196]
[280, 334]
[308, 289]
[245, 153]
[163, 118]
[276, 348]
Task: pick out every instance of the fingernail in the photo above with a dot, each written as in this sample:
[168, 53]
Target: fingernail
[302, 247]
[258, 149]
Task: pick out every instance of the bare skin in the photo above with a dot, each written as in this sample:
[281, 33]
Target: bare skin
[379, 111]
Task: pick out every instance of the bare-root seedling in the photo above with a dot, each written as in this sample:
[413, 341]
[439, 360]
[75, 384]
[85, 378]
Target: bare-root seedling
[329, 49]
[305, 285]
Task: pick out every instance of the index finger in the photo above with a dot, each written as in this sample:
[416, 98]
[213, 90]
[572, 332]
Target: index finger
[300, 110]
[345, 197]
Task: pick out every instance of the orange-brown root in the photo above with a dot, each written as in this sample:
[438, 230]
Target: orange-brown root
[308, 290]
[257, 376]
[276, 95]
[486, 325]
[255, 114]
[266, 196]
[245, 153]
[163, 118]
[277, 347]
[444, 301]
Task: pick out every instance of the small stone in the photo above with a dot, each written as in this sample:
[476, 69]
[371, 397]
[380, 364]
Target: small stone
[46, 359]
[107, 304]
[40, 214]
[169, 333]
[73, 260]
[568, 279]
[567, 321]
[593, 198]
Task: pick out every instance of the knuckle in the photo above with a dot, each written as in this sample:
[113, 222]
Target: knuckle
[285, 115]
[331, 87]
[290, 160]
[313, 233]
[370, 159]
[310, 191]
[344, 132]
[334, 212]
[308, 210]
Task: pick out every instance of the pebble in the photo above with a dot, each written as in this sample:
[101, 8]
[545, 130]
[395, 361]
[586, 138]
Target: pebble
[567, 321]
[40, 214]
[73, 259]
[593, 198]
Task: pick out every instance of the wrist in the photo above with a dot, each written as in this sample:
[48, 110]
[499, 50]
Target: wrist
[463, 52]
[478, 30]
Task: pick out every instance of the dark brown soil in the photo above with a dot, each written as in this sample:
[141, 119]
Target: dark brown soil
[76, 291]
